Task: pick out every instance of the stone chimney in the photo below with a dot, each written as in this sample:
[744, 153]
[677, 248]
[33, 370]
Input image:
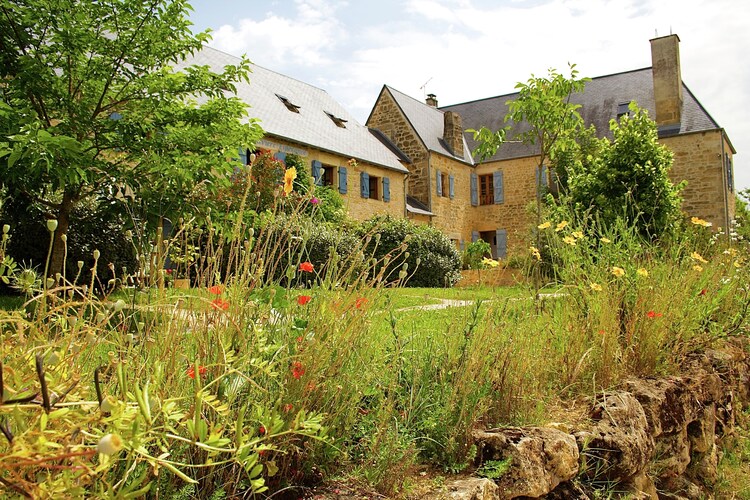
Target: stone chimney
[431, 100]
[665, 62]
[453, 133]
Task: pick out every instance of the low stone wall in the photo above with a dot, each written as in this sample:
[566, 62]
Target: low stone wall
[649, 435]
[490, 277]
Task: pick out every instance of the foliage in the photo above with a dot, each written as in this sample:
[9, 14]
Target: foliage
[628, 179]
[93, 107]
[474, 253]
[494, 469]
[402, 245]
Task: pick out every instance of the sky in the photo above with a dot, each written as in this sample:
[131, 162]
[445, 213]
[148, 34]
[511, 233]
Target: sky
[464, 50]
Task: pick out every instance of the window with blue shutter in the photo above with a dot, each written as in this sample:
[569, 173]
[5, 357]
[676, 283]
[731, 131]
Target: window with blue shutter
[280, 156]
[501, 236]
[545, 176]
[474, 190]
[452, 186]
[317, 172]
[386, 189]
[243, 155]
[364, 185]
[342, 180]
[474, 236]
[462, 244]
[439, 182]
[499, 189]
[728, 166]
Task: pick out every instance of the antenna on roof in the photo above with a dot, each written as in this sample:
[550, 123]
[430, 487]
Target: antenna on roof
[423, 88]
[670, 30]
[656, 33]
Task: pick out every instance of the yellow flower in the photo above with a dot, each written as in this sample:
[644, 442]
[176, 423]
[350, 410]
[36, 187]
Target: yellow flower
[697, 268]
[569, 240]
[737, 264]
[700, 222]
[289, 176]
[698, 257]
[535, 252]
[544, 225]
[618, 271]
[605, 240]
[596, 287]
[490, 262]
[578, 234]
[642, 272]
[561, 225]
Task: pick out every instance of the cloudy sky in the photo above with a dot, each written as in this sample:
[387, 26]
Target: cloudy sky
[471, 49]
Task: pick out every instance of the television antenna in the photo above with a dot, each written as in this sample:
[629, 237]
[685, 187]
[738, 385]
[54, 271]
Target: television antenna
[423, 88]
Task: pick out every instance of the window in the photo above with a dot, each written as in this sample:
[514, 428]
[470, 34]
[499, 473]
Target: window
[291, 107]
[374, 185]
[622, 109]
[328, 175]
[444, 185]
[340, 122]
[486, 190]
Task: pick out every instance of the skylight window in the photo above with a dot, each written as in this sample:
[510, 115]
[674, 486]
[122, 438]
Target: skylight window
[622, 109]
[289, 105]
[340, 122]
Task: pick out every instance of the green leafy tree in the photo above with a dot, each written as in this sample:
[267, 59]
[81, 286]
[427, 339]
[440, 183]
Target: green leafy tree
[628, 178]
[93, 107]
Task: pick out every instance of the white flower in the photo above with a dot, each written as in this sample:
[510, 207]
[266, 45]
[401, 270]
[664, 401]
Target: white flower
[109, 444]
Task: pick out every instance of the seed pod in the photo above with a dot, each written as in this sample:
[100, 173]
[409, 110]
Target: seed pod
[51, 225]
[97, 254]
[6, 228]
[109, 444]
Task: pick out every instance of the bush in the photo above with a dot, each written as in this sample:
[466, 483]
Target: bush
[474, 253]
[430, 257]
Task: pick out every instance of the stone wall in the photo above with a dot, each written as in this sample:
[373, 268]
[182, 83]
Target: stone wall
[387, 117]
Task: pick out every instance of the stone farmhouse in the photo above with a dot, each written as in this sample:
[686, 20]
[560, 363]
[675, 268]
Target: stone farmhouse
[414, 159]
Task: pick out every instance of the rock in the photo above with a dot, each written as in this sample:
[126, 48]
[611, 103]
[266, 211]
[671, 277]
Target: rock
[682, 488]
[620, 445]
[540, 458]
[702, 431]
[672, 454]
[568, 490]
[642, 486]
[704, 467]
[473, 488]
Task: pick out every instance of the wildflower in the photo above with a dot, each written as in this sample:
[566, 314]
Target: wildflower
[562, 225]
[490, 262]
[191, 371]
[261, 430]
[306, 267]
[698, 257]
[219, 304]
[535, 252]
[596, 287]
[653, 314]
[109, 444]
[618, 271]
[297, 370]
[216, 290]
[605, 240]
[697, 268]
[360, 302]
[602, 332]
[314, 201]
[170, 271]
[289, 176]
[577, 235]
[288, 407]
[569, 240]
[300, 339]
[544, 225]
[703, 292]
[303, 299]
[700, 222]
[642, 272]
[352, 163]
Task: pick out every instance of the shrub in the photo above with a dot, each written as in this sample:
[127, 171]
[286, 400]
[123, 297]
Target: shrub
[474, 253]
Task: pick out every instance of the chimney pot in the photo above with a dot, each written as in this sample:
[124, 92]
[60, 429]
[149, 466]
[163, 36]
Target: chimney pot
[665, 67]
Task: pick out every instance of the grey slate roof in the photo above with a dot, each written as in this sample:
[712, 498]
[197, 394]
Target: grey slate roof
[311, 126]
[599, 102]
[428, 123]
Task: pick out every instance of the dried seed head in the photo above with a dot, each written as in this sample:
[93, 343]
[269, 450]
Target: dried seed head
[6, 228]
[64, 238]
[119, 305]
[97, 254]
[51, 225]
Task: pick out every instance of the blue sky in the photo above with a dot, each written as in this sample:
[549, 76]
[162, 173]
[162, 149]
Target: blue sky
[472, 49]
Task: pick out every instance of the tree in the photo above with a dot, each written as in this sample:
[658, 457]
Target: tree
[93, 107]
[628, 178]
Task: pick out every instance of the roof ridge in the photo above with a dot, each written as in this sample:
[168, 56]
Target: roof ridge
[414, 99]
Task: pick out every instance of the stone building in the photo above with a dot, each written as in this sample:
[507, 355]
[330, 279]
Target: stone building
[301, 119]
[468, 199]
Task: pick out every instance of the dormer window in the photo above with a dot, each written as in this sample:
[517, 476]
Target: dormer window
[289, 105]
[623, 109]
[340, 122]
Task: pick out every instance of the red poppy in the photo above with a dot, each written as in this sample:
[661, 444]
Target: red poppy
[602, 332]
[297, 370]
[216, 290]
[191, 371]
[300, 339]
[303, 299]
[261, 430]
[703, 292]
[170, 271]
[360, 302]
[219, 304]
[306, 267]
[288, 407]
[652, 314]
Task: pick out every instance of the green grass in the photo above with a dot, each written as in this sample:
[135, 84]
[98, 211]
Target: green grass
[10, 302]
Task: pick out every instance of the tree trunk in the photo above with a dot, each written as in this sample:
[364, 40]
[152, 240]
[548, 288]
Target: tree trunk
[63, 223]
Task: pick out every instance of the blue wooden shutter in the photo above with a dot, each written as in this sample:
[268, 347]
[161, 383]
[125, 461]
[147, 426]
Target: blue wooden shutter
[243, 155]
[545, 180]
[364, 184]
[502, 243]
[280, 156]
[342, 180]
[452, 186]
[316, 172]
[439, 182]
[497, 182]
[462, 244]
[474, 190]
[386, 189]
[474, 236]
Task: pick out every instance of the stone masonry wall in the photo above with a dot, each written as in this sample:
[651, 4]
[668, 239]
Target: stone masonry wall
[387, 117]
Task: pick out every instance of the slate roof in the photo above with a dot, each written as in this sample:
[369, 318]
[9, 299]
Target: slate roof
[599, 100]
[312, 126]
[428, 123]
